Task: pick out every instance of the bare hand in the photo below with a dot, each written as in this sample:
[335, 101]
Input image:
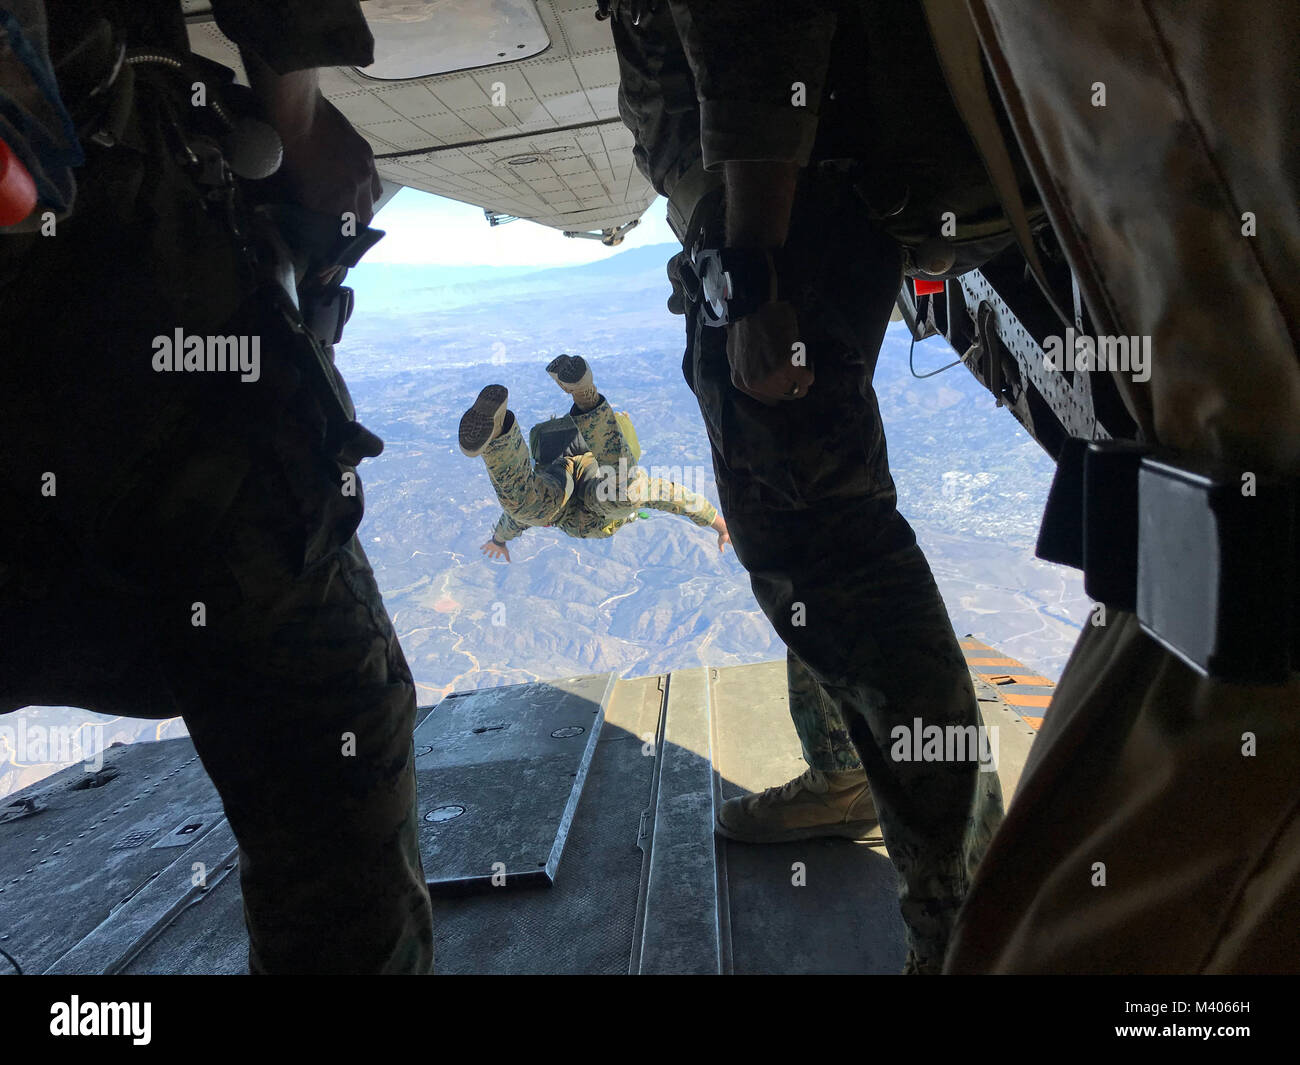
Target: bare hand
[724, 537]
[495, 550]
[768, 361]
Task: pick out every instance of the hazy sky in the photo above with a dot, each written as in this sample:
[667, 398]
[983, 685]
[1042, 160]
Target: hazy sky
[423, 228]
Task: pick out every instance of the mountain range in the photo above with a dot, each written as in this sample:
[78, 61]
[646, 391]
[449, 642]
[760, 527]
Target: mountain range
[659, 595]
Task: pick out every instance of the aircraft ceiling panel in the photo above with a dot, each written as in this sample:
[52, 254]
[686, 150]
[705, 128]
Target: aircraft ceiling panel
[568, 180]
[514, 83]
[604, 99]
[415, 38]
[209, 41]
[485, 120]
[480, 127]
[570, 107]
[415, 101]
[593, 71]
[581, 30]
[456, 91]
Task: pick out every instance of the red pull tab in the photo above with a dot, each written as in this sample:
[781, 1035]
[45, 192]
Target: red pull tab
[17, 189]
[926, 287]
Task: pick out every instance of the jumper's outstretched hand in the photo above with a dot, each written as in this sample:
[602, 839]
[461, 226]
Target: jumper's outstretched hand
[495, 550]
[724, 537]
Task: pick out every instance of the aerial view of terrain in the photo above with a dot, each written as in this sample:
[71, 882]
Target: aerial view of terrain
[659, 595]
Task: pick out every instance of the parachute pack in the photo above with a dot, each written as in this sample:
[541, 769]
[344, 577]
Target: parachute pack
[560, 438]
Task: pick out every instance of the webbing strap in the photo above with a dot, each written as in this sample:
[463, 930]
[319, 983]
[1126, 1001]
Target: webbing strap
[958, 48]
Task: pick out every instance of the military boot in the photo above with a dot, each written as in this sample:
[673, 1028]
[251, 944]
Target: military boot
[814, 804]
[572, 374]
[482, 423]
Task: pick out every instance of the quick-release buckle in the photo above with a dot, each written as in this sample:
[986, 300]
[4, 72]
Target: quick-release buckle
[716, 285]
[326, 311]
[734, 282]
[1203, 553]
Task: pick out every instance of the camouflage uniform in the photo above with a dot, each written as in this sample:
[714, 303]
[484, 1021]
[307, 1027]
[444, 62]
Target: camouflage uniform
[805, 485]
[589, 496]
[180, 489]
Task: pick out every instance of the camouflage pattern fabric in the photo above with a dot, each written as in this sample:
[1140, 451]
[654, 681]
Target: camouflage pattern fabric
[528, 496]
[590, 496]
[822, 730]
[310, 747]
[196, 556]
[737, 85]
[805, 486]
[811, 507]
[702, 81]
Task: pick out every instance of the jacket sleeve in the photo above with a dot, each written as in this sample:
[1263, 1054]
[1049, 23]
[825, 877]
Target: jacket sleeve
[656, 94]
[291, 35]
[759, 68]
[507, 528]
[674, 498]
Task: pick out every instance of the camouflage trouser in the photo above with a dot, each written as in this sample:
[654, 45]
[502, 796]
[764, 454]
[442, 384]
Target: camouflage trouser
[823, 733]
[532, 496]
[177, 543]
[810, 504]
[302, 706]
[536, 495]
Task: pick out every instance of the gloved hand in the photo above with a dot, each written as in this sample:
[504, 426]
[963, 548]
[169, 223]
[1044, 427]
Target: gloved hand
[677, 301]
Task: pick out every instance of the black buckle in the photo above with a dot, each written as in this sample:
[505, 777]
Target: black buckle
[734, 282]
[1216, 568]
[715, 285]
[327, 311]
[1204, 554]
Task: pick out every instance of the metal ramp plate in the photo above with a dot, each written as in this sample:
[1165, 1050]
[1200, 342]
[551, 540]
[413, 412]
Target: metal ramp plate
[499, 772]
[814, 906]
[92, 863]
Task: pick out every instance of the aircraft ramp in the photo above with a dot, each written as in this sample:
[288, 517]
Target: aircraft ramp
[567, 827]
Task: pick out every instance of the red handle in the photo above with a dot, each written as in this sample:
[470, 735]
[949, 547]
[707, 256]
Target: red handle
[927, 288]
[17, 189]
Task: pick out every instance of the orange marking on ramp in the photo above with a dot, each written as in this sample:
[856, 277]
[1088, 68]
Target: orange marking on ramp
[1016, 699]
[993, 662]
[1032, 722]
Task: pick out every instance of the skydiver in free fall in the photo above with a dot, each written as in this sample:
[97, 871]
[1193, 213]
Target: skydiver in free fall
[592, 488]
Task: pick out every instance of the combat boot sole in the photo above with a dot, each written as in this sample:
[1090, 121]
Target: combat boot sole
[570, 372]
[859, 831]
[481, 424]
